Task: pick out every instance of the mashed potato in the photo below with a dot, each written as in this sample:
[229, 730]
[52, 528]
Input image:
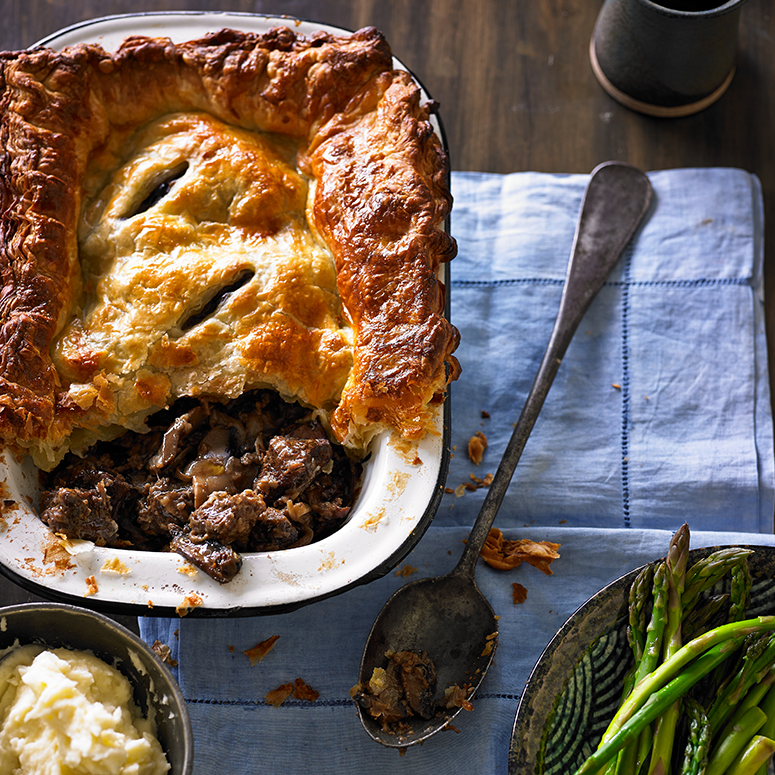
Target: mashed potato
[64, 712]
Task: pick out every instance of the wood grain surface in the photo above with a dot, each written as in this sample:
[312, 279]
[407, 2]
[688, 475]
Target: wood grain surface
[515, 88]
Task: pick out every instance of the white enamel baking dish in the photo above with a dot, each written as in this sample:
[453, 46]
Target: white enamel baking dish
[398, 500]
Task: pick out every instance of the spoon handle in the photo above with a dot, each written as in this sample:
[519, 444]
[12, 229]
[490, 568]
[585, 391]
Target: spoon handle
[615, 201]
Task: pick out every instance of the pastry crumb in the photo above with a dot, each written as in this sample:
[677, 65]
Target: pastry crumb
[477, 444]
[303, 691]
[115, 566]
[164, 652]
[189, 601]
[504, 555]
[279, 695]
[492, 642]
[260, 650]
[91, 587]
[477, 482]
[518, 593]
[299, 689]
[56, 556]
[455, 697]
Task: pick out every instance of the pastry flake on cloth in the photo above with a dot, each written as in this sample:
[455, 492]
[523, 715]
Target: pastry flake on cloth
[500, 553]
[199, 219]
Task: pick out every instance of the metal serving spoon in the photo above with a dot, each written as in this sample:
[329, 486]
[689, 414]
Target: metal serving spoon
[447, 616]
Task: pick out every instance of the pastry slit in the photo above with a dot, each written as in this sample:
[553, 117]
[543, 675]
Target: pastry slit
[162, 188]
[215, 301]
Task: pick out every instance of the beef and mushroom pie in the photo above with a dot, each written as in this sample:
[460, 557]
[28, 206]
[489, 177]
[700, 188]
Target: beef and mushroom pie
[220, 280]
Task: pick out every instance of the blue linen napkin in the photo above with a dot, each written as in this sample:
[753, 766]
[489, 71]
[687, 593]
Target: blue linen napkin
[608, 473]
[661, 407]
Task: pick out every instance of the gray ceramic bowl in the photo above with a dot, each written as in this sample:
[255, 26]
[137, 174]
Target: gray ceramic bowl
[55, 625]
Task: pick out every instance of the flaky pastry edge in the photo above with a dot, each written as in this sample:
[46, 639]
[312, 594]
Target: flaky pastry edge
[381, 200]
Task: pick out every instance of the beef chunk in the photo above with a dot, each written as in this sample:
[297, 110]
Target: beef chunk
[291, 464]
[418, 679]
[273, 531]
[217, 560]
[165, 504]
[83, 475]
[228, 518]
[404, 687]
[93, 508]
[80, 514]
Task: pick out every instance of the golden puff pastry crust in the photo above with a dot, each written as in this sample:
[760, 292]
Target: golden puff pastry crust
[204, 218]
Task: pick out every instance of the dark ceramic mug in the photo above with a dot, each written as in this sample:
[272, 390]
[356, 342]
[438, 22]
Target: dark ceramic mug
[671, 58]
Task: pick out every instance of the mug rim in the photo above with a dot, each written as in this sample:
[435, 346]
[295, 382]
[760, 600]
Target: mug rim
[719, 10]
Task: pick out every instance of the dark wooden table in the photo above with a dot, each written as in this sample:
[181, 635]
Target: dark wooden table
[516, 90]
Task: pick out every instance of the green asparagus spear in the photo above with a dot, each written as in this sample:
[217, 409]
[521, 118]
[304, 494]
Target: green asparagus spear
[768, 730]
[652, 649]
[707, 572]
[631, 760]
[624, 762]
[644, 749]
[700, 618]
[754, 697]
[640, 594]
[664, 734]
[756, 662]
[726, 750]
[698, 741]
[755, 756]
[677, 556]
[740, 591]
[740, 588]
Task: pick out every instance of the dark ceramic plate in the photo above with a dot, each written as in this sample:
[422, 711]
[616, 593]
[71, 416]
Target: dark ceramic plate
[574, 688]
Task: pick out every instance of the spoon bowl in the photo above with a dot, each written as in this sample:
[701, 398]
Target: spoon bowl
[465, 632]
[447, 618]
